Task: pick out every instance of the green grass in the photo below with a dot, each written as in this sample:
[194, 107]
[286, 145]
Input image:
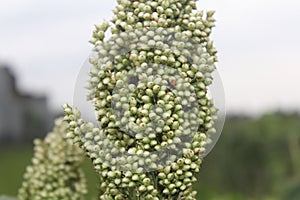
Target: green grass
[13, 162]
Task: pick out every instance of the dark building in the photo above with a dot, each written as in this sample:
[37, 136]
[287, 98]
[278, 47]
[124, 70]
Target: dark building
[23, 117]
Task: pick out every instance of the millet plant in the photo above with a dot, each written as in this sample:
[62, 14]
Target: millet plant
[55, 172]
[149, 79]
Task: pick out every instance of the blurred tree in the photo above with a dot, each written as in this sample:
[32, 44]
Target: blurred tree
[293, 193]
[254, 158]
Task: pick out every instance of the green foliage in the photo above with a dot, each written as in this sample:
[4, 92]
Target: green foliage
[254, 158]
[293, 192]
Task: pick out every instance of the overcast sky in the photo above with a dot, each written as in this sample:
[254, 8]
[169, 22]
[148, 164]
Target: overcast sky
[46, 42]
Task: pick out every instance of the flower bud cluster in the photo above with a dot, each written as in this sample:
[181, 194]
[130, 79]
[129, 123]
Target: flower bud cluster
[55, 170]
[149, 86]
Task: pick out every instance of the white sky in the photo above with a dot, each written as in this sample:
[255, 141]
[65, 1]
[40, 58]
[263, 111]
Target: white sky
[46, 42]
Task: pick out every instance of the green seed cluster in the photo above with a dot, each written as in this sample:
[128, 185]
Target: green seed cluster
[54, 173]
[149, 85]
[166, 182]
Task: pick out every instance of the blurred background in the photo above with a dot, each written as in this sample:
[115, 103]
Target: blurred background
[44, 43]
